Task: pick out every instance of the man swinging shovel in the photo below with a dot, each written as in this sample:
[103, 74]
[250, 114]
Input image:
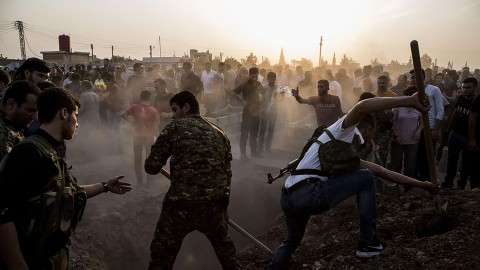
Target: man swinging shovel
[328, 172]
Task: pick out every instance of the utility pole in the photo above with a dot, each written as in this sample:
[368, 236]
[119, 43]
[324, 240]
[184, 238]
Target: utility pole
[320, 54]
[21, 36]
[150, 51]
[91, 48]
[112, 53]
[160, 46]
[221, 57]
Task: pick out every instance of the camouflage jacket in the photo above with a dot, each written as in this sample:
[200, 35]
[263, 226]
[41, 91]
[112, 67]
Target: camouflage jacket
[200, 154]
[9, 136]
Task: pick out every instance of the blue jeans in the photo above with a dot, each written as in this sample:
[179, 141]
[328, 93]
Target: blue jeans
[317, 197]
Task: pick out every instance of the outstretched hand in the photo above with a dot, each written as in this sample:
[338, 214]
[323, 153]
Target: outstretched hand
[116, 186]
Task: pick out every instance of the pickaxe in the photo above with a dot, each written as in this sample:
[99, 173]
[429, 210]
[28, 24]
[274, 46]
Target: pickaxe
[234, 225]
[427, 134]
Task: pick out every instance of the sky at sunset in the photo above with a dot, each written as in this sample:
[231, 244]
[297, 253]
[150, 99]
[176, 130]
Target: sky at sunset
[447, 30]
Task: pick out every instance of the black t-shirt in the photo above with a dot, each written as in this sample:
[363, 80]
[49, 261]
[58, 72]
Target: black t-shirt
[25, 175]
[476, 109]
[461, 112]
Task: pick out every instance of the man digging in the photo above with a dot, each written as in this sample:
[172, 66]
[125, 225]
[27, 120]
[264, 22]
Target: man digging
[328, 171]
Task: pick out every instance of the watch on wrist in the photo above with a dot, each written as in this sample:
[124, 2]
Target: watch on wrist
[105, 187]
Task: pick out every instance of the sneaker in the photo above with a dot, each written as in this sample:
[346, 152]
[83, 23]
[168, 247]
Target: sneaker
[368, 251]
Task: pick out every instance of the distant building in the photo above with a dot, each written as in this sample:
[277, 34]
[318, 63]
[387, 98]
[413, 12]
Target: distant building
[165, 62]
[64, 56]
[281, 60]
[200, 57]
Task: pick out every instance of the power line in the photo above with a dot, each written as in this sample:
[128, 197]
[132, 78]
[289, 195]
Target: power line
[30, 49]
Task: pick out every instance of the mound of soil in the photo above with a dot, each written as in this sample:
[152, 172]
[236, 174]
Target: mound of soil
[408, 225]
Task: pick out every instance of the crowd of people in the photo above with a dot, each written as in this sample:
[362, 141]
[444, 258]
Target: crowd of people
[384, 109]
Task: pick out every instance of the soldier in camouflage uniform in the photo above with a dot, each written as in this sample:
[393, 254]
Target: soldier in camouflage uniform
[18, 110]
[40, 202]
[200, 184]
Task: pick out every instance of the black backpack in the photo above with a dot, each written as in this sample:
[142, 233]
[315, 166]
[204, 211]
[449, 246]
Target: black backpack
[336, 157]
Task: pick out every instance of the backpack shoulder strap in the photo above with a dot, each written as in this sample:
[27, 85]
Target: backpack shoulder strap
[329, 134]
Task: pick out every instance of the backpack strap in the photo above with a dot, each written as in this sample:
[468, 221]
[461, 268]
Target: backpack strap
[329, 134]
[312, 140]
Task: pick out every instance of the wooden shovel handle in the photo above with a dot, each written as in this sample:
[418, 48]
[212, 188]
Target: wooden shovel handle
[427, 134]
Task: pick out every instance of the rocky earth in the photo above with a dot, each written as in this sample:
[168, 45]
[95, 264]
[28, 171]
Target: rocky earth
[405, 226]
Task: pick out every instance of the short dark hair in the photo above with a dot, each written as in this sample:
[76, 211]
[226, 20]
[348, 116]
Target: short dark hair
[185, 97]
[324, 82]
[471, 80]
[383, 77]
[410, 91]
[271, 75]
[187, 65]
[253, 70]
[86, 85]
[136, 66]
[31, 64]
[412, 72]
[45, 84]
[160, 81]
[366, 95]
[75, 76]
[145, 95]
[52, 100]
[4, 77]
[19, 90]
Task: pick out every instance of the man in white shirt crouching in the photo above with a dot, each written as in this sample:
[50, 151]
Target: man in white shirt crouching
[314, 188]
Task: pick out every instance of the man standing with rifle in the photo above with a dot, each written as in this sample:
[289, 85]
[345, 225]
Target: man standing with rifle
[329, 171]
[200, 184]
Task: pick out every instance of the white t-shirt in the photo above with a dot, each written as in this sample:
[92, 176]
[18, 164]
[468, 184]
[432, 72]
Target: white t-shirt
[208, 80]
[335, 89]
[311, 160]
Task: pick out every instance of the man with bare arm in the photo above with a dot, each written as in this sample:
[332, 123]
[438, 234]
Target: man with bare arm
[327, 107]
[328, 171]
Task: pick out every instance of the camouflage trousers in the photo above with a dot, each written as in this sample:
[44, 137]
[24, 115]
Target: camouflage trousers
[179, 219]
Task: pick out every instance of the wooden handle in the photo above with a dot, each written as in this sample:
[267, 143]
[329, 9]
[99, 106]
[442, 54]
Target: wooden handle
[427, 134]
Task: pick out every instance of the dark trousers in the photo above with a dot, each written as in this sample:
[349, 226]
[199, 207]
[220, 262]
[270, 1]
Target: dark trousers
[472, 158]
[456, 146]
[422, 169]
[267, 126]
[179, 219]
[316, 197]
[249, 131]
[403, 156]
[383, 140]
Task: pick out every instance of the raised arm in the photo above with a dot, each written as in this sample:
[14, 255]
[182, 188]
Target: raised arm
[296, 94]
[367, 106]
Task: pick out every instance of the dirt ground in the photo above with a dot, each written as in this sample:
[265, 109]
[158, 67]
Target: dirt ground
[331, 239]
[116, 231]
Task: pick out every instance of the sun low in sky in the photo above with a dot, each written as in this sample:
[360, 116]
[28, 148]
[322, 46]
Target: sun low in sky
[447, 30]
